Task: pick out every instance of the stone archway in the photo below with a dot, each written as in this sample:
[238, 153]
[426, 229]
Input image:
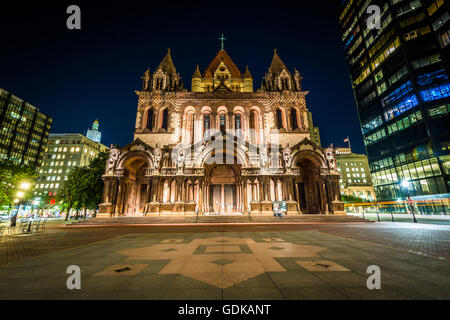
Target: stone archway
[309, 185]
[223, 189]
[134, 187]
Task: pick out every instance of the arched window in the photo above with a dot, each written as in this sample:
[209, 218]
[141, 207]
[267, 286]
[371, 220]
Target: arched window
[294, 121]
[206, 124]
[150, 119]
[253, 121]
[223, 121]
[279, 119]
[238, 124]
[190, 128]
[165, 119]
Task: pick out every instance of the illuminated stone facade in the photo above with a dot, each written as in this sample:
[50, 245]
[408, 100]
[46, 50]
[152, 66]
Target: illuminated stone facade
[221, 148]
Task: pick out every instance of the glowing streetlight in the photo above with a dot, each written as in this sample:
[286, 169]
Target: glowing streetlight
[405, 184]
[20, 194]
[16, 200]
[25, 185]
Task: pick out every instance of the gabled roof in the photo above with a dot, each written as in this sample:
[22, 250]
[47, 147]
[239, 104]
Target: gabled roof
[167, 64]
[277, 64]
[222, 56]
[137, 142]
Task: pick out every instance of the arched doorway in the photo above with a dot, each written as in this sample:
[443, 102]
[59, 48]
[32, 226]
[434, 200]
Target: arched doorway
[223, 195]
[134, 188]
[309, 187]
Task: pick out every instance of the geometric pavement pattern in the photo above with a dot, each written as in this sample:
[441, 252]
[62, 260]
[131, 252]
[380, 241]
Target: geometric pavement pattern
[223, 261]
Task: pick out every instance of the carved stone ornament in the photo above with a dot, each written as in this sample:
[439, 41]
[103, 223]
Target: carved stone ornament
[112, 160]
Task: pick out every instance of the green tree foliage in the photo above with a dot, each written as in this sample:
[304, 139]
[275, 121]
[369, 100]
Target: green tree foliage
[352, 199]
[11, 176]
[84, 186]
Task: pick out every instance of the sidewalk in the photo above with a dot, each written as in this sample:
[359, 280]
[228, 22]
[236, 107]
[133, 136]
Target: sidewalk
[433, 219]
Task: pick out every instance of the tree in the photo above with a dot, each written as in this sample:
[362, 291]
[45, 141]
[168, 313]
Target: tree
[83, 188]
[11, 176]
[352, 199]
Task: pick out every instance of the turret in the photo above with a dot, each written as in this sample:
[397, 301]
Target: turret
[166, 78]
[278, 77]
[197, 81]
[248, 81]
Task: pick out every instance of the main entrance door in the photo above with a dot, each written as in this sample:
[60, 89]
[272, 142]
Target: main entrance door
[222, 199]
[223, 190]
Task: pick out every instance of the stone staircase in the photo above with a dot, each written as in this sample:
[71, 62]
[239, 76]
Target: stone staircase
[167, 219]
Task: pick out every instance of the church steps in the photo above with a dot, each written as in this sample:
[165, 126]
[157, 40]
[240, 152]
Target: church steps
[218, 219]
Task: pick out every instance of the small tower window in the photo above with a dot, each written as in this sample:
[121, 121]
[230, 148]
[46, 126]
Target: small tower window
[165, 119]
[206, 124]
[279, 119]
[294, 121]
[150, 119]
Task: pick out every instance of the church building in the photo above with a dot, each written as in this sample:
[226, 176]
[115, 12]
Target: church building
[222, 148]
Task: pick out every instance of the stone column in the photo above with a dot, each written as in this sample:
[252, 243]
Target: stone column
[298, 197]
[106, 188]
[245, 195]
[290, 188]
[200, 196]
[148, 196]
[154, 190]
[119, 197]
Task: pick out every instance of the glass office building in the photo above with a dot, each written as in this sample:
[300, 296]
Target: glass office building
[23, 131]
[400, 77]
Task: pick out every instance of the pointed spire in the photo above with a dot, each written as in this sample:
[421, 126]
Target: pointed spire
[167, 64]
[277, 64]
[197, 73]
[247, 73]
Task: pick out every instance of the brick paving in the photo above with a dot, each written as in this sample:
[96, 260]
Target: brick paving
[227, 262]
[432, 240]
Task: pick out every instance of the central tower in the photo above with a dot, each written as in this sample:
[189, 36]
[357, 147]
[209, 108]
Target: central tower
[222, 74]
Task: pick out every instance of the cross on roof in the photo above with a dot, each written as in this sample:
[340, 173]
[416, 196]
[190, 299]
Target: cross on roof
[222, 39]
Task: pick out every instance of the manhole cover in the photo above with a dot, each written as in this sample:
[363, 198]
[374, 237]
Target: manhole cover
[276, 248]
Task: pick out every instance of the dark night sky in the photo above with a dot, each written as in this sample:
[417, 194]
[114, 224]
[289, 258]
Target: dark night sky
[78, 76]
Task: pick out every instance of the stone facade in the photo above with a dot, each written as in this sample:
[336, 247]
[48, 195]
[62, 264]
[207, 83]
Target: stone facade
[222, 148]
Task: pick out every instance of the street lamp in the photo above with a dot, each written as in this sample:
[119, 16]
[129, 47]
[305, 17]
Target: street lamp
[24, 186]
[405, 184]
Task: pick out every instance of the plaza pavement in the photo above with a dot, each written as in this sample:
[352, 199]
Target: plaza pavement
[307, 261]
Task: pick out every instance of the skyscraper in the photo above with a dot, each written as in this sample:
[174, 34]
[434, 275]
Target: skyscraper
[94, 134]
[399, 74]
[23, 130]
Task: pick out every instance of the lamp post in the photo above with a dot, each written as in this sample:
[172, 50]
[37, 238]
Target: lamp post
[409, 201]
[23, 187]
